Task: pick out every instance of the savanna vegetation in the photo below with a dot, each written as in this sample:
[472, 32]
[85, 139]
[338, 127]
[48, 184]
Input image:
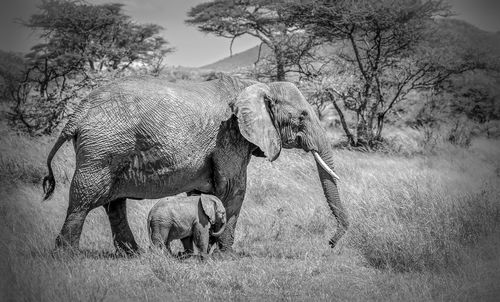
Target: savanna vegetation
[424, 227]
[422, 195]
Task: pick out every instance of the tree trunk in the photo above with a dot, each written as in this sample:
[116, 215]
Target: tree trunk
[380, 126]
[91, 64]
[350, 137]
[280, 66]
[362, 130]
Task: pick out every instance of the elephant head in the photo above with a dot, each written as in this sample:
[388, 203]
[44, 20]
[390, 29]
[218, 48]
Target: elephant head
[216, 213]
[277, 116]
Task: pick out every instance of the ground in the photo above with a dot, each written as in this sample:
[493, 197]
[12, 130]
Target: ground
[424, 226]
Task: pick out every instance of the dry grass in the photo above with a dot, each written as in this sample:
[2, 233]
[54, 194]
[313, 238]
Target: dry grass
[423, 228]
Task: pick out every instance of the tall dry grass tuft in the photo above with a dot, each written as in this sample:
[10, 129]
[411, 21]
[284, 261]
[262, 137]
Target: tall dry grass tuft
[416, 230]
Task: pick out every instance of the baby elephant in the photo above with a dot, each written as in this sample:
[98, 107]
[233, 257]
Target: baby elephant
[192, 219]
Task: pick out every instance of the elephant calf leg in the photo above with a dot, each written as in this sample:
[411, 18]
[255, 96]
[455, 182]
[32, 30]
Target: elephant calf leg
[187, 243]
[200, 241]
[157, 239]
[122, 235]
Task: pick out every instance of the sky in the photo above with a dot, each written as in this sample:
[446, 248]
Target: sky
[195, 49]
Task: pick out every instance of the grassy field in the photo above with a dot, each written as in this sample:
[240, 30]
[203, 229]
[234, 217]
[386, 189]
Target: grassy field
[423, 227]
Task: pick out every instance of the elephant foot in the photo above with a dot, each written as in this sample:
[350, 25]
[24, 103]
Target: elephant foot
[128, 250]
[199, 257]
[123, 238]
[226, 254]
[184, 255]
[64, 246]
[336, 237]
[224, 247]
[64, 250]
[190, 255]
[61, 253]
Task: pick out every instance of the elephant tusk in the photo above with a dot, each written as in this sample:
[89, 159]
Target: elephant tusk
[325, 167]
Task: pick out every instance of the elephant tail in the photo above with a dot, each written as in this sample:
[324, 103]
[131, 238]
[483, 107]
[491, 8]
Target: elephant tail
[49, 182]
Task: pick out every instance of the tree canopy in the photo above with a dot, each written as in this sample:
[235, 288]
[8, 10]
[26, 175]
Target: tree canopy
[267, 20]
[81, 44]
[391, 48]
[96, 36]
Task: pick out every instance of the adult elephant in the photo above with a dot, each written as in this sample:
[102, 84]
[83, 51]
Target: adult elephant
[145, 138]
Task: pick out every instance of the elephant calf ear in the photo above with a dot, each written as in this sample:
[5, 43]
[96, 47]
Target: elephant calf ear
[208, 206]
[255, 122]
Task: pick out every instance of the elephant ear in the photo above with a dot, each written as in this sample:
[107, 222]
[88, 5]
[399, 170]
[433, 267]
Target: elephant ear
[208, 206]
[254, 120]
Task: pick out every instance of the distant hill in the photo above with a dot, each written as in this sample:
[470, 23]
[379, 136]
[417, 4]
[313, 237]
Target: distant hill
[469, 35]
[242, 59]
[462, 31]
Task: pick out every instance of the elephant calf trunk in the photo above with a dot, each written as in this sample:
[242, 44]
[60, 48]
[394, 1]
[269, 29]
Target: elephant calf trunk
[218, 233]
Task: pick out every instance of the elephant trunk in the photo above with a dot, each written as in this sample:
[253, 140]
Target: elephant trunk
[220, 231]
[220, 218]
[328, 178]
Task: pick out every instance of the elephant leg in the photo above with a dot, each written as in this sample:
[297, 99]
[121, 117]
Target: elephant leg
[230, 178]
[187, 243]
[233, 206]
[200, 240]
[69, 236]
[123, 238]
[167, 247]
[226, 240]
[158, 238]
[86, 192]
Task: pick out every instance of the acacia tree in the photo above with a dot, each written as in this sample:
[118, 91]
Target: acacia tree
[392, 48]
[97, 36]
[80, 41]
[267, 20]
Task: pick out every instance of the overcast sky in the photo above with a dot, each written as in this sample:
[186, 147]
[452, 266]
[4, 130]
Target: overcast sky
[193, 48]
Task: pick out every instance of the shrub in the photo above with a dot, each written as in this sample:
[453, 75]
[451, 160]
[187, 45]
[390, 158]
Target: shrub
[460, 134]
